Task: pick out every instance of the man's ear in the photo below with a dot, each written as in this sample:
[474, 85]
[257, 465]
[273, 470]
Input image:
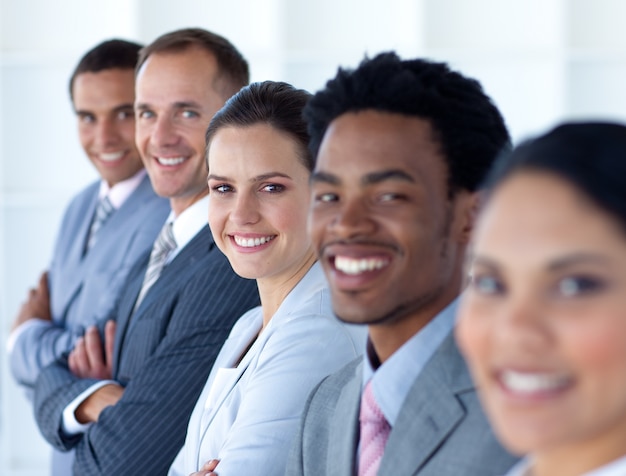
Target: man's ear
[469, 205]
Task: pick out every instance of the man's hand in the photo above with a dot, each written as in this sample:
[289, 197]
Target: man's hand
[207, 469]
[37, 304]
[90, 358]
[89, 411]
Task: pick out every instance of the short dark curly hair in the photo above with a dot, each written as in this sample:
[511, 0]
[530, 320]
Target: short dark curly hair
[468, 125]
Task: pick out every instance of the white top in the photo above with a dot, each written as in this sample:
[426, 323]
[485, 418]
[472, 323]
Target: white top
[248, 412]
[614, 468]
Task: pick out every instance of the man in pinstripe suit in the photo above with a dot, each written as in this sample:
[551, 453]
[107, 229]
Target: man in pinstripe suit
[121, 402]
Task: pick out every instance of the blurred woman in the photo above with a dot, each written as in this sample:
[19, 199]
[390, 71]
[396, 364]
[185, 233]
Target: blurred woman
[543, 324]
[259, 168]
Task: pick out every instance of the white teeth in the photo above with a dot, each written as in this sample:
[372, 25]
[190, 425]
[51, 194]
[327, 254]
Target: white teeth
[533, 382]
[170, 161]
[111, 157]
[252, 242]
[356, 266]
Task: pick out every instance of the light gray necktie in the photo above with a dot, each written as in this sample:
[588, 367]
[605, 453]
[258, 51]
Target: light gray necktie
[103, 212]
[163, 246]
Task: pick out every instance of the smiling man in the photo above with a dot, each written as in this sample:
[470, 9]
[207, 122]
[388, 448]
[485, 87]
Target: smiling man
[106, 227]
[123, 406]
[401, 148]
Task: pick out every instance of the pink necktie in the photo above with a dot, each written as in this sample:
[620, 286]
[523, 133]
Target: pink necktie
[374, 433]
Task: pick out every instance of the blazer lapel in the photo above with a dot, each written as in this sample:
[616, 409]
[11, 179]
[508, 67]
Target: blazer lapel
[430, 412]
[126, 306]
[345, 428]
[76, 262]
[231, 351]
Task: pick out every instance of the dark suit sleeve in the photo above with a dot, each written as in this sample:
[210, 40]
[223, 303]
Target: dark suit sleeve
[143, 432]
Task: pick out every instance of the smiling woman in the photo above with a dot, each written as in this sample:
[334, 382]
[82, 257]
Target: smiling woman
[259, 169]
[543, 324]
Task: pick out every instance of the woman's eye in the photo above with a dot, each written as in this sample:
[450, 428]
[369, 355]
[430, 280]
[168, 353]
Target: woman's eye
[222, 188]
[273, 188]
[578, 285]
[488, 285]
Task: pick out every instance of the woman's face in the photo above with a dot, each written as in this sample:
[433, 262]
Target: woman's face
[543, 323]
[259, 199]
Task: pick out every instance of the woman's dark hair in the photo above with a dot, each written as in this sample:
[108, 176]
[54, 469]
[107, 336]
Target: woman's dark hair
[274, 103]
[590, 155]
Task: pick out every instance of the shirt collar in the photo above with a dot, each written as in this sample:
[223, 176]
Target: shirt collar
[189, 222]
[392, 381]
[119, 192]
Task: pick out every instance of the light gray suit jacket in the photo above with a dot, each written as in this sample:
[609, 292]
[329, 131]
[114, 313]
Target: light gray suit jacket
[249, 411]
[85, 287]
[441, 429]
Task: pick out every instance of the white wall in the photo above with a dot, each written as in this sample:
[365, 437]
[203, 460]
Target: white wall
[541, 60]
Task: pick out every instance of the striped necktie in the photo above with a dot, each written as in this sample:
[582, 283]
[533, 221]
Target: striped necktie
[103, 212]
[374, 433]
[163, 246]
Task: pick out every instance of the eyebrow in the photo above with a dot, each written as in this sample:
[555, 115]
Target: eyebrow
[474, 259]
[177, 105]
[121, 107]
[554, 266]
[578, 258]
[258, 178]
[369, 179]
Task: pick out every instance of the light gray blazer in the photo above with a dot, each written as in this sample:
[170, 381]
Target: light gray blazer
[85, 287]
[248, 413]
[440, 431]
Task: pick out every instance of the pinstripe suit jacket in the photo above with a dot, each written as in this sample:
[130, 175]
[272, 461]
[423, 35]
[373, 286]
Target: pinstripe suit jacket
[163, 356]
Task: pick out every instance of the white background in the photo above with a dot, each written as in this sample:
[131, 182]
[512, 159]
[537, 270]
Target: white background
[543, 61]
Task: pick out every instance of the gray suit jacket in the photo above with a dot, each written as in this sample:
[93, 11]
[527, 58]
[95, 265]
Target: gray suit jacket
[84, 287]
[163, 356]
[440, 431]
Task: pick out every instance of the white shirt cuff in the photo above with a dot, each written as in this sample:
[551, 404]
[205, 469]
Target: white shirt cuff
[19, 330]
[70, 425]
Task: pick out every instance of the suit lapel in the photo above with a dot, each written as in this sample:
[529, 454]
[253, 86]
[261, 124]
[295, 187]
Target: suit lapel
[430, 412]
[142, 194]
[76, 262]
[126, 306]
[173, 273]
[345, 427]
[179, 267]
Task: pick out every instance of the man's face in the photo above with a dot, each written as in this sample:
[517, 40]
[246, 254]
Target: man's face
[103, 103]
[175, 103]
[388, 236]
